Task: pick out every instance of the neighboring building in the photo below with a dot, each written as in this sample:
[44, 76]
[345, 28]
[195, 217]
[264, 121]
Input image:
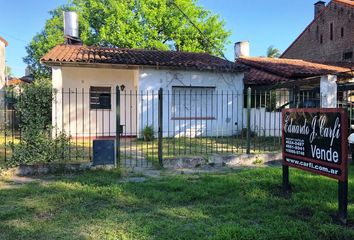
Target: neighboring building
[190, 82]
[295, 82]
[17, 83]
[3, 45]
[329, 37]
[272, 73]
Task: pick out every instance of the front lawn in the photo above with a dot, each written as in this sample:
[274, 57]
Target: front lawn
[245, 204]
[131, 148]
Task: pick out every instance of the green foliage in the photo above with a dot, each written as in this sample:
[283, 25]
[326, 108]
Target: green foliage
[273, 52]
[147, 24]
[40, 148]
[34, 105]
[148, 133]
[243, 133]
[8, 71]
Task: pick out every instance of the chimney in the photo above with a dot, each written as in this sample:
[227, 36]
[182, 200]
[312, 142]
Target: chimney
[319, 6]
[71, 28]
[242, 49]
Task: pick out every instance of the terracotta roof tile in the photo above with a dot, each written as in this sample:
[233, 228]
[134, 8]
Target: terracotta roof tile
[4, 41]
[348, 2]
[291, 68]
[16, 81]
[259, 77]
[101, 55]
[274, 70]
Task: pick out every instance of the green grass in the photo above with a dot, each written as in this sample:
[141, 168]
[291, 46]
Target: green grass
[176, 147]
[246, 204]
[172, 147]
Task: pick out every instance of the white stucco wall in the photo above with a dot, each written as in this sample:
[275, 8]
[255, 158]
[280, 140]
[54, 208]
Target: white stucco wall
[2, 64]
[74, 111]
[328, 88]
[139, 103]
[227, 102]
[2, 82]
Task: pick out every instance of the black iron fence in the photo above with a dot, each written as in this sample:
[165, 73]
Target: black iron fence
[151, 126]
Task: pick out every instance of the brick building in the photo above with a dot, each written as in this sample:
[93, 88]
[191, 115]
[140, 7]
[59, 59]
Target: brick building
[329, 37]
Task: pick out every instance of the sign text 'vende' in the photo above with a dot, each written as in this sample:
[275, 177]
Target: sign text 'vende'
[312, 141]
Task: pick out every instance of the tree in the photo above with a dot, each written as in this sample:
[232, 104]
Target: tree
[273, 52]
[8, 71]
[37, 144]
[179, 25]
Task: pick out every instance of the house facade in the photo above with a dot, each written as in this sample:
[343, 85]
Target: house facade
[329, 37]
[195, 91]
[3, 45]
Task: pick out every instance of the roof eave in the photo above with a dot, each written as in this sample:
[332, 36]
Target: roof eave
[4, 41]
[131, 66]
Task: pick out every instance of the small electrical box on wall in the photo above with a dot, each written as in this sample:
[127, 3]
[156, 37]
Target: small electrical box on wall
[103, 152]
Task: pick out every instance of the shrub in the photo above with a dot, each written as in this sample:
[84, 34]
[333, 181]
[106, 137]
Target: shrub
[148, 133]
[42, 148]
[243, 133]
[34, 106]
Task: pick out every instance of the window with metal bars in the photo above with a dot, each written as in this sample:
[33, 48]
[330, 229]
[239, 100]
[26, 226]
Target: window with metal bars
[100, 98]
[194, 103]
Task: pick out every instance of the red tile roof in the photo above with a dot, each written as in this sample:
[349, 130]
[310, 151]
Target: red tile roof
[275, 70]
[4, 41]
[16, 81]
[135, 57]
[259, 77]
[348, 2]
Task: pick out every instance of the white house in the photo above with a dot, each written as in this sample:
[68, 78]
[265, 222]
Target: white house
[3, 45]
[202, 94]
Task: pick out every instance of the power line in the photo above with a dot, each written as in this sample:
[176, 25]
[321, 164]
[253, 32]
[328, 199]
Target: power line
[14, 38]
[196, 27]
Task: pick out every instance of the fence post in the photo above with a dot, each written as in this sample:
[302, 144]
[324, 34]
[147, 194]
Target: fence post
[117, 160]
[249, 96]
[160, 126]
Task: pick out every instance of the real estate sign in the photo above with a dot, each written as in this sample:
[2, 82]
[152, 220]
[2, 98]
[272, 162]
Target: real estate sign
[315, 140]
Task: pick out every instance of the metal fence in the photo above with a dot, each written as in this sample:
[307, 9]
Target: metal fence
[151, 126]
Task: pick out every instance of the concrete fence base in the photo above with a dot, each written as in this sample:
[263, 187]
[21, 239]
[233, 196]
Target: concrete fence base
[175, 163]
[221, 160]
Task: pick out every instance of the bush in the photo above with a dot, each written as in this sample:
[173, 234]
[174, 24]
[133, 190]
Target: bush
[148, 133]
[34, 106]
[243, 133]
[41, 149]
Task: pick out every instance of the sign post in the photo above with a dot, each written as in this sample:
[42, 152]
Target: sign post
[315, 140]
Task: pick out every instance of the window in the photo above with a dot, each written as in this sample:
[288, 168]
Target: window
[317, 32]
[348, 56]
[321, 39]
[100, 97]
[331, 31]
[194, 103]
[342, 32]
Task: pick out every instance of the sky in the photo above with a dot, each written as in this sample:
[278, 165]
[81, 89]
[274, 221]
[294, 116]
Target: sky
[262, 23]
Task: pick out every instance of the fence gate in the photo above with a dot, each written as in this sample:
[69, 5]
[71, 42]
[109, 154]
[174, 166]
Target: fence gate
[137, 146]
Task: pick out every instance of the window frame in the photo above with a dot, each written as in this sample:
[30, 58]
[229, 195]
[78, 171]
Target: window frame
[103, 92]
[202, 116]
[331, 31]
